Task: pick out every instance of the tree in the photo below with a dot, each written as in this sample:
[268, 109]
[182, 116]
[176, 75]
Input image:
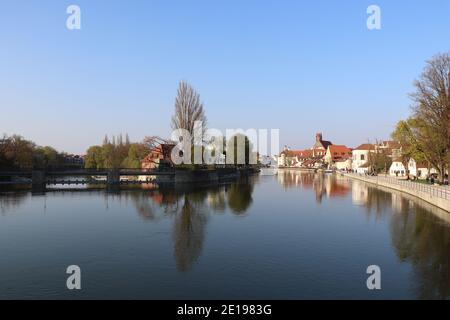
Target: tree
[16, 152]
[379, 161]
[410, 148]
[94, 158]
[136, 152]
[114, 155]
[432, 109]
[47, 156]
[188, 109]
[427, 132]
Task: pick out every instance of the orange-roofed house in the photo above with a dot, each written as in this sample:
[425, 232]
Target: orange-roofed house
[158, 156]
[338, 157]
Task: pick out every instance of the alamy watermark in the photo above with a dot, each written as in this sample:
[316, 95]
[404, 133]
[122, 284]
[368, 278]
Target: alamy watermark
[74, 280]
[374, 280]
[374, 19]
[211, 146]
[73, 21]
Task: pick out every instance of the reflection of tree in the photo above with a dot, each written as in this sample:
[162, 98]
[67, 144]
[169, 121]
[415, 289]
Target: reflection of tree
[419, 237]
[189, 232]
[240, 196]
[10, 202]
[190, 207]
[167, 200]
[424, 241]
[217, 201]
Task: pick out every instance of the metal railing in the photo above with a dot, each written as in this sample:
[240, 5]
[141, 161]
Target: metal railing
[442, 192]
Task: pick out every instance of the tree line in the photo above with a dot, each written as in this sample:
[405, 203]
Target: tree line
[116, 152]
[16, 152]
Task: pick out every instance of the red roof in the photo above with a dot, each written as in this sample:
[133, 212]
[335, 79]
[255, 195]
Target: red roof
[340, 152]
[339, 149]
[366, 146]
[302, 153]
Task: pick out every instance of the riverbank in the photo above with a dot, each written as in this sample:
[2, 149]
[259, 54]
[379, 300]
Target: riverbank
[437, 196]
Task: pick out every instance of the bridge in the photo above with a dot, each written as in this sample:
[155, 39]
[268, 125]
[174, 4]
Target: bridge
[42, 177]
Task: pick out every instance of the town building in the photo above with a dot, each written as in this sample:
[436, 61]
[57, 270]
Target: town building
[74, 160]
[397, 168]
[415, 169]
[308, 158]
[158, 157]
[338, 157]
[419, 169]
[360, 158]
[393, 149]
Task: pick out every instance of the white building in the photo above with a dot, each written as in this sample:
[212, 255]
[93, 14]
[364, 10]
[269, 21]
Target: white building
[397, 168]
[360, 157]
[343, 164]
[420, 170]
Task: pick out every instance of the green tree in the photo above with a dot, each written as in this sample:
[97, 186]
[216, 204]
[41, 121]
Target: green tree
[136, 152]
[426, 134]
[17, 152]
[94, 158]
[379, 161]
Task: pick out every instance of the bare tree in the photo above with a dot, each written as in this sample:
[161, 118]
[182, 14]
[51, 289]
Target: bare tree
[188, 109]
[155, 141]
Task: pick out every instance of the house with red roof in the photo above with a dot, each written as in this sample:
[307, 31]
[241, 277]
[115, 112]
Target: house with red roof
[338, 157]
[158, 156]
[360, 157]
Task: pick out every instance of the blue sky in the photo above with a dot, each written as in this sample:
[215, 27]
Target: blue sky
[300, 66]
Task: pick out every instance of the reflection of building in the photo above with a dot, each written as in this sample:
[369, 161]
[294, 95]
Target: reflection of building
[360, 193]
[399, 203]
[329, 185]
[337, 187]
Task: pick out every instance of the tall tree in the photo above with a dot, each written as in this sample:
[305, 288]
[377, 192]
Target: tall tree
[188, 109]
[431, 111]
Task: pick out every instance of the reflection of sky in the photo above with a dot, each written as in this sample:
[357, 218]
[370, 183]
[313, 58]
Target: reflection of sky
[265, 61]
[191, 244]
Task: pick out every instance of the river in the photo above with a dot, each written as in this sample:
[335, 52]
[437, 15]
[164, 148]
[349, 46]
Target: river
[291, 236]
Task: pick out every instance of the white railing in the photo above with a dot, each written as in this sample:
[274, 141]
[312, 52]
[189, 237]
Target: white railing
[435, 191]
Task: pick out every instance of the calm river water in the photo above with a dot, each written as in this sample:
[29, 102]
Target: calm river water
[291, 236]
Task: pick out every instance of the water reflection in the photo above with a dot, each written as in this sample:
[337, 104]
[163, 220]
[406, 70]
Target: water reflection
[420, 232]
[9, 202]
[420, 235]
[323, 184]
[190, 207]
[189, 230]
[425, 243]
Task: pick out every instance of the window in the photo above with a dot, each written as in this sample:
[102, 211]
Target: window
[362, 157]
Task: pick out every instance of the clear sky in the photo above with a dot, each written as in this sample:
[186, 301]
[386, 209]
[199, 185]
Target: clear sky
[300, 66]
